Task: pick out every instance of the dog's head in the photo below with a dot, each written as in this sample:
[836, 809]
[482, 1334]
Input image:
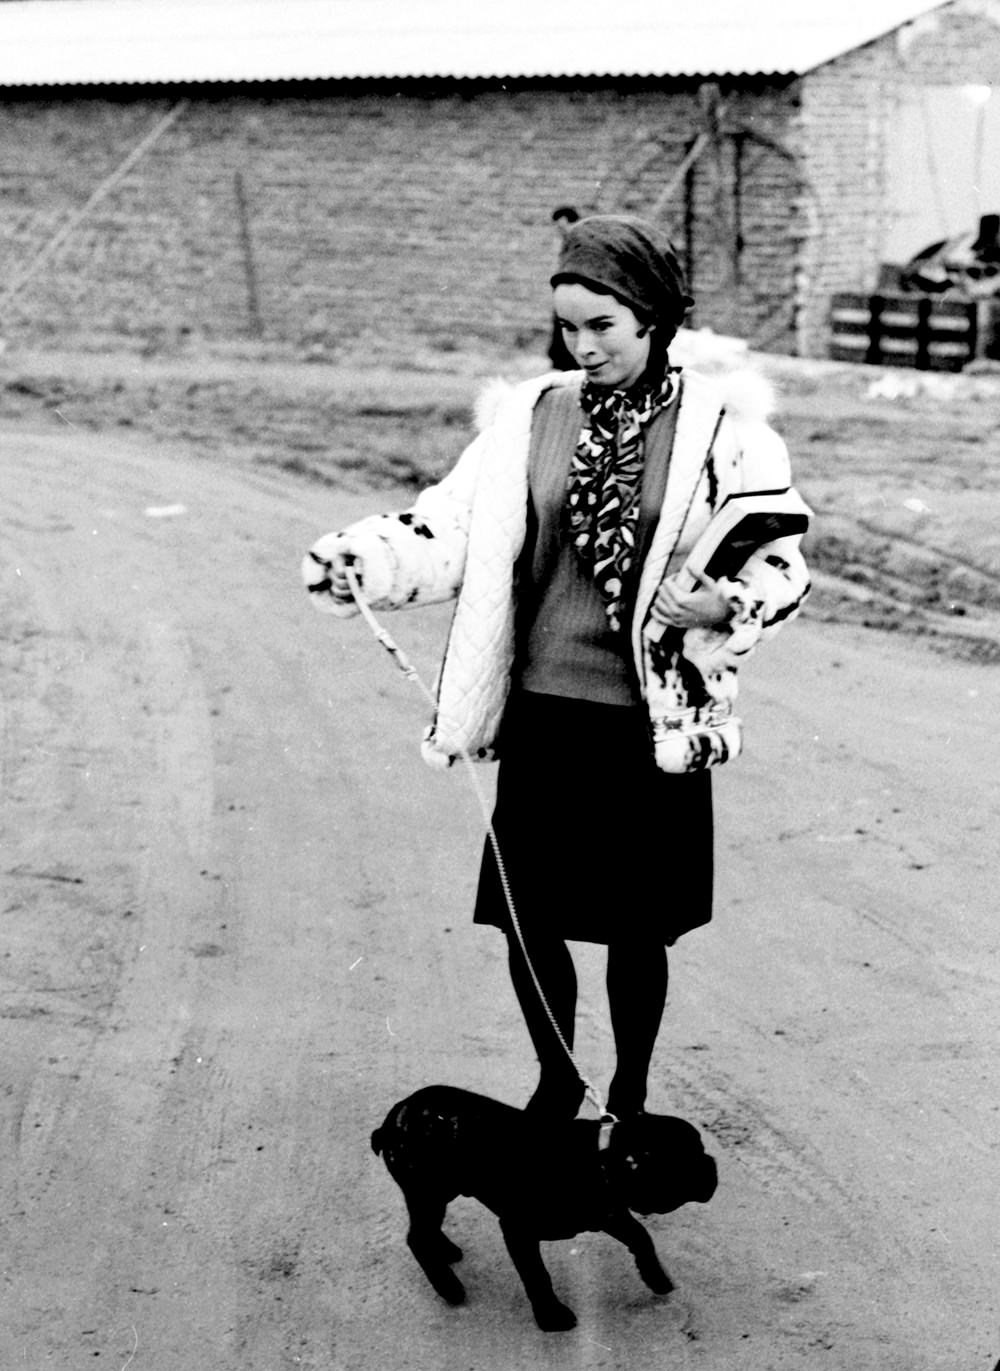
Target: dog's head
[657, 1163]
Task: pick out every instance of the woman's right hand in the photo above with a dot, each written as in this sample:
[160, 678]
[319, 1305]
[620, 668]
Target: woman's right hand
[324, 570]
[707, 606]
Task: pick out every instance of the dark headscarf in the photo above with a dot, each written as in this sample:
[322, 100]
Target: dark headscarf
[630, 258]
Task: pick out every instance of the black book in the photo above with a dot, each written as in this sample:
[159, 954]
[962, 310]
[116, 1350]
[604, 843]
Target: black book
[738, 528]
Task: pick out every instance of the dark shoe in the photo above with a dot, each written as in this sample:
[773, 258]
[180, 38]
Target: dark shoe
[626, 1104]
[626, 1115]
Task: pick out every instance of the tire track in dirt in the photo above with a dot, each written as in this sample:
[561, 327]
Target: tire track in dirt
[146, 996]
[132, 773]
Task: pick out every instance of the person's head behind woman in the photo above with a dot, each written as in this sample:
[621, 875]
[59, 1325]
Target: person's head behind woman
[620, 297]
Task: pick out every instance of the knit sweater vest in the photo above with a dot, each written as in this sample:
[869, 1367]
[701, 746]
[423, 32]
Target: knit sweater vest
[565, 643]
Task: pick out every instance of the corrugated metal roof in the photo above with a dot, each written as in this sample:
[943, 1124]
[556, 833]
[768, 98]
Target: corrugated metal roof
[82, 42]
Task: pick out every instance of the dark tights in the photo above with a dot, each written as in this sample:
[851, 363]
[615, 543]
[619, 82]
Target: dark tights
[637, 993]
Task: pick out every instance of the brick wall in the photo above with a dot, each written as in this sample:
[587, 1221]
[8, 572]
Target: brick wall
[378, 219]
[381, 220]
[842, 129]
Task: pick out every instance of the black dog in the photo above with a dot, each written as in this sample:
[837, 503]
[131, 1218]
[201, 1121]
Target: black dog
[543, 1181]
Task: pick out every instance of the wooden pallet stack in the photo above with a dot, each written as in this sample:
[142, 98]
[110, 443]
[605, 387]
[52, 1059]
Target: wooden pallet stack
[931, 333]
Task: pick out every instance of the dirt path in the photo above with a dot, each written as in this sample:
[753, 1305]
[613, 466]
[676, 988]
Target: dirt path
[235, 916]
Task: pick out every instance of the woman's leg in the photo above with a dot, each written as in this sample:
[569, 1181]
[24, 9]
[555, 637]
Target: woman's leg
[560, 1090]
[637, 993]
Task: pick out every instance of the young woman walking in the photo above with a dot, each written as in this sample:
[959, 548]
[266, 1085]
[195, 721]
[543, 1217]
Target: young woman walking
[601, 679]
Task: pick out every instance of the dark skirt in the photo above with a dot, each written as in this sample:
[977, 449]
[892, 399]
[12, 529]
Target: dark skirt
[597, 841]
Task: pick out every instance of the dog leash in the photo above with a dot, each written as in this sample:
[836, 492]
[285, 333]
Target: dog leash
[410, 672]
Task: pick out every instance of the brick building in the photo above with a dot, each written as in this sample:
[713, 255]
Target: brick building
[323, 176]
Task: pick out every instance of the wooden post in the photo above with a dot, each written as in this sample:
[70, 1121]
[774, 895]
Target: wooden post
[973, 337]
[874, 355]
[991, 344]
[738, 243]
[689, 214]
[923, 359]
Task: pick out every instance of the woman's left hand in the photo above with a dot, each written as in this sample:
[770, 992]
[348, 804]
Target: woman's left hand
[701, 608]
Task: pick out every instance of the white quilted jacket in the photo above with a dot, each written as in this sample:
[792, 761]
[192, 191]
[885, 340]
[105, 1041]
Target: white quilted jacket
[462, 538]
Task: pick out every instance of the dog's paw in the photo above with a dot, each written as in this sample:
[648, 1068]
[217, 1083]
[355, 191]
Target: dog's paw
[448, 1286]
[437, 1270]
[554, 1317]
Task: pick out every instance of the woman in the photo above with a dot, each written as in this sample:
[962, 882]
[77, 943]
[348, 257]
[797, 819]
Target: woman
[577, 643]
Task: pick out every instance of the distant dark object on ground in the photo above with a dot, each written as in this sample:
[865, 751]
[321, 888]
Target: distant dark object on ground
[968, 263]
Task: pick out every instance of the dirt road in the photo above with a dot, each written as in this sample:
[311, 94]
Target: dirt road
[235, 929]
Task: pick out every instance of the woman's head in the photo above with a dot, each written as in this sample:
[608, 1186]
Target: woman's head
[618, 280]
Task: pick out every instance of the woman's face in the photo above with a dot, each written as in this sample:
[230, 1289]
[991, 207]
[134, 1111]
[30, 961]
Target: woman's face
[602, 333]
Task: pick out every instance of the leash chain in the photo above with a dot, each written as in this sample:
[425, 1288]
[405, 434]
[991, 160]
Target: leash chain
[411, 673]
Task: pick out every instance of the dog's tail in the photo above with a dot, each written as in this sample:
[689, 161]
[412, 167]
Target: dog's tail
[377, 1142]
